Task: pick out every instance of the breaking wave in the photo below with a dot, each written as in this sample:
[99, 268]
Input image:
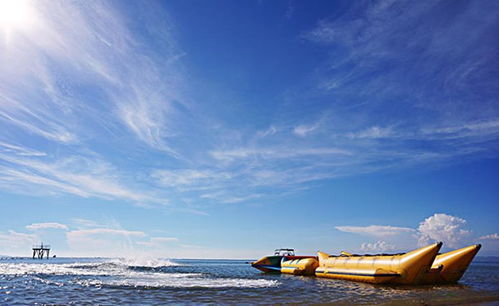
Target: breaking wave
[148, 273]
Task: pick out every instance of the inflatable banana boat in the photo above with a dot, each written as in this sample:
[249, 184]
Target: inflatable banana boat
[285, 261]
[449, 267]
[299, 266]
[408, 269]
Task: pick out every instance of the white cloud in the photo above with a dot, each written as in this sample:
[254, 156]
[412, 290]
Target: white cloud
[22, 117]
[371, 102]
[493, 236]
[379, 246]
[148, 121]
[268, 132]
[483, 130]
[163, 239]
[158, 242]
[188, 177]
[327, 32]
[84, 224]
[439, 227]
[304, 130]
[347, 151]
[76, 79]
[104, 231]
[445, 228]
[46, 225]
[275, 153]
[77, 175]
[103, 241]
[21, 151]
[372, 132]
[119, 242]
[17, 243]
[381, 231]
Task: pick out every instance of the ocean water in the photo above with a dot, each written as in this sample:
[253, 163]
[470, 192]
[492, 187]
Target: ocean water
[134, 281]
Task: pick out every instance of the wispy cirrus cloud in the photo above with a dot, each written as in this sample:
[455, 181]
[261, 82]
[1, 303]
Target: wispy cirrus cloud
[46, 225]
[104, 231]
[302, 130]
[79, 77]
[380, 231]
[190, 178]
[158, 242]
[75, 175]
[392, 80]
[80, 223]
[19, 150]
[391, 102]
[248, 174]
[373, 132]
[275, 153]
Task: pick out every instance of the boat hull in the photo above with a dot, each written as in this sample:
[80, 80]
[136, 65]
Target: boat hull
[268, 264]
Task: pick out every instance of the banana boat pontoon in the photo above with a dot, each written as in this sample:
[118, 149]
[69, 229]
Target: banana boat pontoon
[407, 269]
[449, 267]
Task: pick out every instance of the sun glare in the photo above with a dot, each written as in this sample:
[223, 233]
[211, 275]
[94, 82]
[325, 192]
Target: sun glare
[15, 14]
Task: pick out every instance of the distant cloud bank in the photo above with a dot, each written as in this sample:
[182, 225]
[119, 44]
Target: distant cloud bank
[439, 227]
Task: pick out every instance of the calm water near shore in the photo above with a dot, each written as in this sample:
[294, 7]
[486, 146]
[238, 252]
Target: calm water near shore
[118, 281]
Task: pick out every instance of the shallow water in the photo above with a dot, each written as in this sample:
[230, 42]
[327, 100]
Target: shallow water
[113, 281]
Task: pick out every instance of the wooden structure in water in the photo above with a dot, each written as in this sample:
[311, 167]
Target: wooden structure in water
[40, 250]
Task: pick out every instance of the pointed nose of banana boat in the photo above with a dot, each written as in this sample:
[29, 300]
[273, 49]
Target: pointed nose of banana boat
[416, 264]
[461, 257]
[450, 267]
[322, 257]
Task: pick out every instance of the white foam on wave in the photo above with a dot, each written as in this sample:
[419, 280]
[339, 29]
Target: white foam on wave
[145, 262]
[28, 268]
[179, 281]
[108, 267]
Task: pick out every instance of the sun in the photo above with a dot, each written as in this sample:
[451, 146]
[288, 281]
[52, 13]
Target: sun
[15, 15]
[15, 12]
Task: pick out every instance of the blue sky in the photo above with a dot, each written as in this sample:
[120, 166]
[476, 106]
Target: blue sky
[229, 128]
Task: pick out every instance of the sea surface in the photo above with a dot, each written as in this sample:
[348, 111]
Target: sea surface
[140, 281]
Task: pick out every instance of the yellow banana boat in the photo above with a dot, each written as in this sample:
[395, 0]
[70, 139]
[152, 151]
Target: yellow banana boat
[300, 266]
[408, 269]
[450, 267]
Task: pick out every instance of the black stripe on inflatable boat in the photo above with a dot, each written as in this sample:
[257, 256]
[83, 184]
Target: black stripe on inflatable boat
[361, 274]
[268, 267]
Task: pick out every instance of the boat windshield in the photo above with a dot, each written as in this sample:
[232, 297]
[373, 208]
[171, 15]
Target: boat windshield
[284, 252]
